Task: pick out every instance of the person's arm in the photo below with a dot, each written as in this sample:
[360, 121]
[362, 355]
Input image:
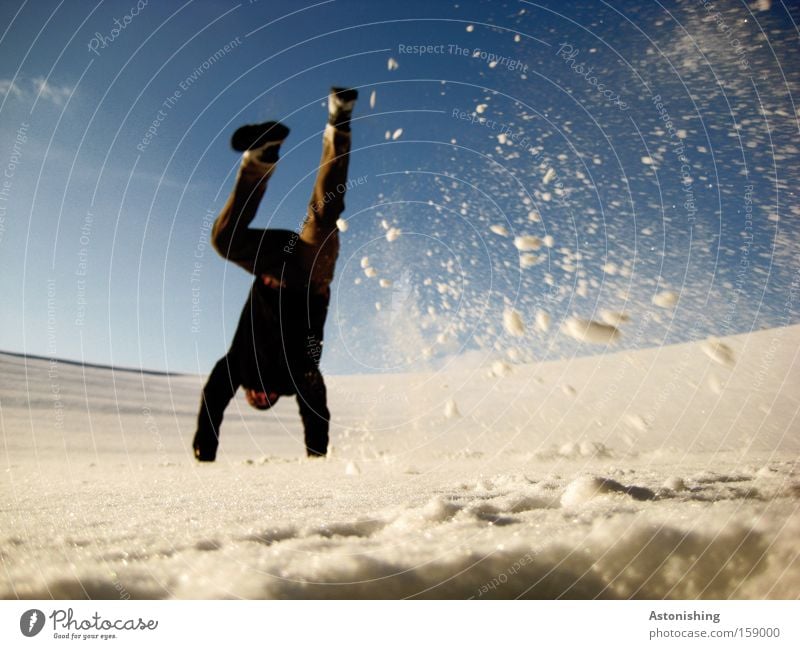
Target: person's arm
[312, 401]
[218, 391]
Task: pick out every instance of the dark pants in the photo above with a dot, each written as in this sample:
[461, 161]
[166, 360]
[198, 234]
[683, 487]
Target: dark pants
[293, 265]
[312, 254]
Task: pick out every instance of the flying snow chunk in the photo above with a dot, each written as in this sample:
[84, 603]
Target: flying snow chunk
[517, 38]
[512, 321]
[718, 352]
[534, 216]
[451, 410]
[528, 260]
[392, 234]
[548, 241]
[385, 283]
[666, 299]
[502, 138]
[527, 243]
[480, 108]
[370, 272]
[499, 229]
[637, 421]
[551, 173]
[342, 225]
[365, 262]
[397, 133]
[647, 160]
[614, 318]
[470, 28]
[372, 96]
[500, 368]
[590, 331]
[542, 321]
[391, 64]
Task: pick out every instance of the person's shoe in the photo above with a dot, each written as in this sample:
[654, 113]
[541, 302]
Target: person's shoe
[205, 448]
[341, 102]
[260, 143]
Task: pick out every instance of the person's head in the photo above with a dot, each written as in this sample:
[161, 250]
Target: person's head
[259, 399]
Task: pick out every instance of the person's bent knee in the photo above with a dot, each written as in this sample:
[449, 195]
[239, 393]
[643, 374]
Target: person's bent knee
[226, 245]
[222, 245]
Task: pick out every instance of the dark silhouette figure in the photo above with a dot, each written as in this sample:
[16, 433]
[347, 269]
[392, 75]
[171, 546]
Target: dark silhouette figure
[278, 341]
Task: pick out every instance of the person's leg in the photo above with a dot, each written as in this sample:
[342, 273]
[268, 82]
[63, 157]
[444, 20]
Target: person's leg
[319, 235]
[219, 389]
[230, 234]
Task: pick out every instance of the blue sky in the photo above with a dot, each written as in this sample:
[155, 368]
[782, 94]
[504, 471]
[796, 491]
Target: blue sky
[688, 187]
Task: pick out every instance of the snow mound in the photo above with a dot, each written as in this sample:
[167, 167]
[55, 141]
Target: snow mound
[586, 448]
[674, 483]
[586, 488]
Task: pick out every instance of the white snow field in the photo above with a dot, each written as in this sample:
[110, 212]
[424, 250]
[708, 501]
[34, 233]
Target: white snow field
[661, 473]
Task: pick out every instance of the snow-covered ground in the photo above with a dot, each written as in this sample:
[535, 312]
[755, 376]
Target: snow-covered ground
[669, 472]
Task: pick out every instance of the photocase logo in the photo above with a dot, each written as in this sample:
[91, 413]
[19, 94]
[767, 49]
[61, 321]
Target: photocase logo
[31, 622]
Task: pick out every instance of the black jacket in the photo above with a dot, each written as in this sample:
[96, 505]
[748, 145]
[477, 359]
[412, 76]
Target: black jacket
[279, 338]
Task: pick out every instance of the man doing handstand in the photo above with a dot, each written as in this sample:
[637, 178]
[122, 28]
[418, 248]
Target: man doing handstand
[278, 341]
